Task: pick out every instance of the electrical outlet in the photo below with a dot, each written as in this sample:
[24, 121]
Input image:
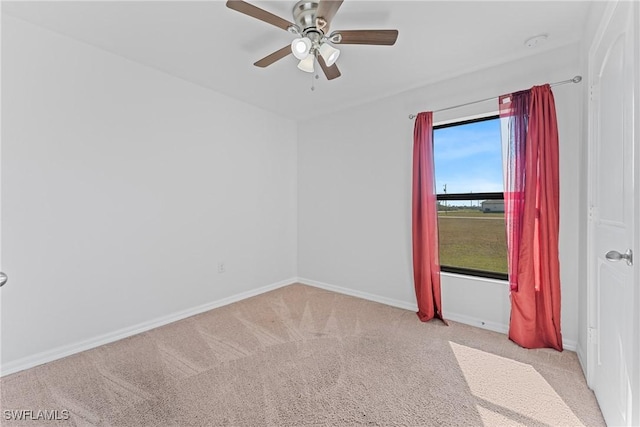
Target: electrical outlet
[221, 268]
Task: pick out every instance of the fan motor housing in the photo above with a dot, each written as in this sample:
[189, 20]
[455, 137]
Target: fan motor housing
[304, 15]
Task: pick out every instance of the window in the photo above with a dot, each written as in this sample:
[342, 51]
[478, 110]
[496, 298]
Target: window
[469, 190]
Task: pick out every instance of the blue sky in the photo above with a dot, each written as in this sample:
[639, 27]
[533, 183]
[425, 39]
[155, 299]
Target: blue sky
[468, 158]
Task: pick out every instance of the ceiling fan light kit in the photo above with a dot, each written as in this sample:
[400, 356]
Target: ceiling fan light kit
[301, 47]
[312, 22]
[329, 53]
[306, 64]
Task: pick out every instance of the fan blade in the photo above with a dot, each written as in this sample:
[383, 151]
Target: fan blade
[275, 56]
[375, 37]
[331, 72]
[256, 12]
[327, 10]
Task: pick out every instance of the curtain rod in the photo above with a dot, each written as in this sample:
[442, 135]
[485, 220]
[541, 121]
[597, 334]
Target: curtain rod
[576, 79]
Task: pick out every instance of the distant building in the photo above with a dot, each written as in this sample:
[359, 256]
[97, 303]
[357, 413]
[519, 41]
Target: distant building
[493, 206]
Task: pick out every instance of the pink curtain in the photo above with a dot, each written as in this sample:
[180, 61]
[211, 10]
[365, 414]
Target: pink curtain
[426, 265]
[514, 109]
[532, 218]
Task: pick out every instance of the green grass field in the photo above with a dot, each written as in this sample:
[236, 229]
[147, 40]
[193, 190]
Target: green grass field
[472, 239]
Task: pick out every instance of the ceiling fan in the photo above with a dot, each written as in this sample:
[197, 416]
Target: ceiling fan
[313, 41]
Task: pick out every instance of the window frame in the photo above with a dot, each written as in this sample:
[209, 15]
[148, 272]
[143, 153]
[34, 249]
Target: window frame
[469, 196]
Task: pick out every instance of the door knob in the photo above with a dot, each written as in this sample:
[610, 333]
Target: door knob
[617, 256]
[3, 278]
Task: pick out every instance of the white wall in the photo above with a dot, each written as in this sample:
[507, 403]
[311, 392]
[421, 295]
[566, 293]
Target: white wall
[354, 191]
[123, 188]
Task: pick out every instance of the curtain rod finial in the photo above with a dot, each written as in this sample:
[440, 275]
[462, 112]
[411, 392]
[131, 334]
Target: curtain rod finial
[577, 79]
[412, 116]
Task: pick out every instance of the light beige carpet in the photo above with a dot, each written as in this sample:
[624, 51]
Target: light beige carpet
[301, 356]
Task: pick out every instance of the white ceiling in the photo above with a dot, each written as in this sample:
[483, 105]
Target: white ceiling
[208, 44]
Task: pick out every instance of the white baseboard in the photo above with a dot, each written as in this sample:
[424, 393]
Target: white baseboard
[456, 317]
[359, 294]
[460, 318]
[570, 345]
[67, 350]
[478, 323]
[495, 327]
[582, 358]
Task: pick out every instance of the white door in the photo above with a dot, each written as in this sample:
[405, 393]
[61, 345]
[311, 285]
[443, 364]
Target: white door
[612, 358]
[3, 277]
